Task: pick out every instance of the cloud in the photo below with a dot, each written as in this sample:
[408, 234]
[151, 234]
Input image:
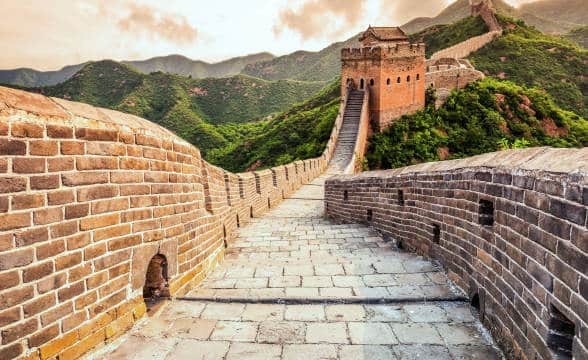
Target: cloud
[143, 19]
[402, 11]
[315, 17]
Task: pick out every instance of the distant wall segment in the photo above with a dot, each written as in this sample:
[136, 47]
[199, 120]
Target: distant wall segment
[509, 227]
[88, 196]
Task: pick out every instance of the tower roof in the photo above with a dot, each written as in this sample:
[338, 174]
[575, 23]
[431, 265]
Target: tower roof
[383, 33]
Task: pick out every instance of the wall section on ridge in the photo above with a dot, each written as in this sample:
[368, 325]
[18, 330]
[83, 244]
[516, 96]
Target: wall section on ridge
[87, 197]
[509, 227]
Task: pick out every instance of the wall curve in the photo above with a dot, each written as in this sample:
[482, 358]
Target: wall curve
[87, 197]
[509, 227]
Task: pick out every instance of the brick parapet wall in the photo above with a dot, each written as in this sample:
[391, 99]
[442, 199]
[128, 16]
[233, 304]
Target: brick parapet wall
[87, 197]
[452, 78]
[465, 48]
[530, 265]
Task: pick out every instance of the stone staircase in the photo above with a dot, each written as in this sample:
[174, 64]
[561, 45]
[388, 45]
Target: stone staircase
[348, 133]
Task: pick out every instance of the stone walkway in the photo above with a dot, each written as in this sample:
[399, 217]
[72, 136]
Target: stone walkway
[296, 286]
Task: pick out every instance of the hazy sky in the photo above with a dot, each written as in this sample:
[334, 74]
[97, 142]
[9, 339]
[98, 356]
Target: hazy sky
[48, 34]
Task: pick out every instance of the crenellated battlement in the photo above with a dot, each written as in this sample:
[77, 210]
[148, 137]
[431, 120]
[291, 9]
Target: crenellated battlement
[378, 52]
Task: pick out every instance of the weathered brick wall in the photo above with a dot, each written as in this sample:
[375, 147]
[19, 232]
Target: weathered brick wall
[528, 270]
[465, 48]
[452, 78]
[87, 197]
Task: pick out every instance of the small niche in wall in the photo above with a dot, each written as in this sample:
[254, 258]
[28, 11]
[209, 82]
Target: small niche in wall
[401, 197]
[156, 286]
[371, 82]
[436, 233]
[238, 222]
[560, 337]
[269, 204]
[345, 195]
[251, 211]
[369, 215]
[486, 213]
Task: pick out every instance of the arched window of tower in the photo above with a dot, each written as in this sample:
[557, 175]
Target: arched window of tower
[418, 76]
[408, 78]
[388, 81]
[361, 84]
[398, 80]
[371, 82]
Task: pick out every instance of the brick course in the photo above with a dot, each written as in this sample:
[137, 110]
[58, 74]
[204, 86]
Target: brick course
[531, 261]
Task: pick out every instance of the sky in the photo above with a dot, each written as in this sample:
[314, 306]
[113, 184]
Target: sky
[49, 34]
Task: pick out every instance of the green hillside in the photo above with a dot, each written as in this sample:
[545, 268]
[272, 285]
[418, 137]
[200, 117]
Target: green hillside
[528, 57]
[579, 36]
[486, 116]
[324, 65]
[299, 133]
[439, 37]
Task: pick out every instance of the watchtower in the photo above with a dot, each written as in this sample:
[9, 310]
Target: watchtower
[391, 69]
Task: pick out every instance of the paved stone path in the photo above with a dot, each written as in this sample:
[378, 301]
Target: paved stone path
[296, 286]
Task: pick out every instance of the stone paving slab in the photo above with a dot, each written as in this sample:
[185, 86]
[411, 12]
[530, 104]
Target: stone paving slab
[296, 286]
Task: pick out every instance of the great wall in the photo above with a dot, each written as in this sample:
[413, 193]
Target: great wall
[102, 213]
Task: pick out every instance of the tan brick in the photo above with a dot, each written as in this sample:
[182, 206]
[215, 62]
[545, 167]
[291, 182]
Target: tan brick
[73, 147]
[134, 215]
[94, 251]
[96, 134]
[100, 221]
[110, 205]
[144, 201]
[44, 336]
[19, 331]
[28, 165]
[12, 147]
[126, 137]
[31, 236]
[63, 229]
[10, 316]
[60, 197]
[97, 279]
[96, 163]
[147, 140]
[57, 313]
[13, 259]
[9, 279]
[39, 304]
[120, 325]
[51, 283]
[59, 132]
[84, 178]
[126, 177]
[43, 148]
[77, 211]
[118, 270]
[73, 321]
[44, 182]
[83, 346]
[16, 296]
[47, 216]
[12, 351]
[112, 149]
[27, 130]
[50, 249]
[3, 127]
[124, 242]
[79, 272]
[6, 242]
[78, 241]
[112, 232]
[60, 164]
[108, 303]
[86, 299]
[98, 322]
[4, 204]
[135, 190]
[134, 164]
[97, 192]
[3, 166]
[68, 260]
[37, 271]
[113, 286]
[111, 260]
[14, 221]
[12, 184]
[27, 201]
[71, 291]
[58, 345]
